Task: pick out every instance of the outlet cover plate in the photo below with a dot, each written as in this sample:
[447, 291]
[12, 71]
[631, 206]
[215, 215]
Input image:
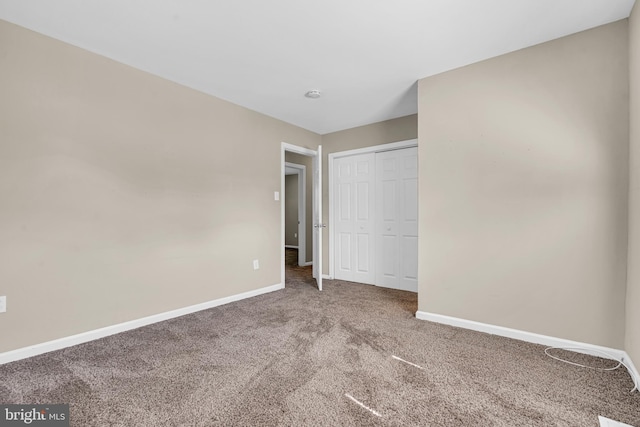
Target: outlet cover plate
[3, 304]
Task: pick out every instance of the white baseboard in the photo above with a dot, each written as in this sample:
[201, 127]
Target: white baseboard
[326, 276]
[632, 370]
[306, 264]
[45, 347]
[579, 347]
[290, 247]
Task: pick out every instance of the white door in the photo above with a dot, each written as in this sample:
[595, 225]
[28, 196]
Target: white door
[354, 183]
[397, 214]
[318, 225]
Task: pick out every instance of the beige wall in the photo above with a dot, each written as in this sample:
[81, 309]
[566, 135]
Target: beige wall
[400, 129]
[523, 188]
[299, 159]
[291, 210]
[123, 195]
[632, 340]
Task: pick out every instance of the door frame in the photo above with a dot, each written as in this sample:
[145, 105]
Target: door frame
[302, 210]
[339, 154]
[284, 147]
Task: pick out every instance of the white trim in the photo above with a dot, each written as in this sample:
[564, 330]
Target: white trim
[327, 276]
[632, 369]
[377, 148]
[282, 224]
[290, 247]
[576, 346]
[365, 150]
[300, 150]
[45, 347]
[306, 264]
[515, 333]
[318, 223]
[302, 210]
[332, 220]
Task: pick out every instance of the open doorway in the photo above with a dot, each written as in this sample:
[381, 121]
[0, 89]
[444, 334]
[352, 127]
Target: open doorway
[296, 234]
[309, 230]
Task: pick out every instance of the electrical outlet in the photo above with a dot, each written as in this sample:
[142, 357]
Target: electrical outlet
[295, 235]
[3, 304]
[256, 264]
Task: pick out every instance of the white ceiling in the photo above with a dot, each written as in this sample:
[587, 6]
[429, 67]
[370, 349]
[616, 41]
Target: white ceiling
[364, 55]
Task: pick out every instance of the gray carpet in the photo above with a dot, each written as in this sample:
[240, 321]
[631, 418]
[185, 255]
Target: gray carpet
[291, 357]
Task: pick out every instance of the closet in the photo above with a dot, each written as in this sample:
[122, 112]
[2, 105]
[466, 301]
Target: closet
[375, 218]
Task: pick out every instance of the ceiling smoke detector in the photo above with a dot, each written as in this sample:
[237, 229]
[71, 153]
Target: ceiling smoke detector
[313, 94]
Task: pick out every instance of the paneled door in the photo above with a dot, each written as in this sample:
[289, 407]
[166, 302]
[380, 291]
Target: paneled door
[396, 212]
[354, 187]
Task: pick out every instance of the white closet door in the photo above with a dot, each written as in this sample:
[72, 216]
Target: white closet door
[354, 182]
[397, 219]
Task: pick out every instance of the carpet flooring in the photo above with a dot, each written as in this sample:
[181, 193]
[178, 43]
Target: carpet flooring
[352, 355]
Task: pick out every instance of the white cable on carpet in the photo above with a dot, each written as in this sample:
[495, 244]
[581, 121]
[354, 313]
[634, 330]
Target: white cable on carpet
[408, 363]
[589, 351]
[373, 411]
